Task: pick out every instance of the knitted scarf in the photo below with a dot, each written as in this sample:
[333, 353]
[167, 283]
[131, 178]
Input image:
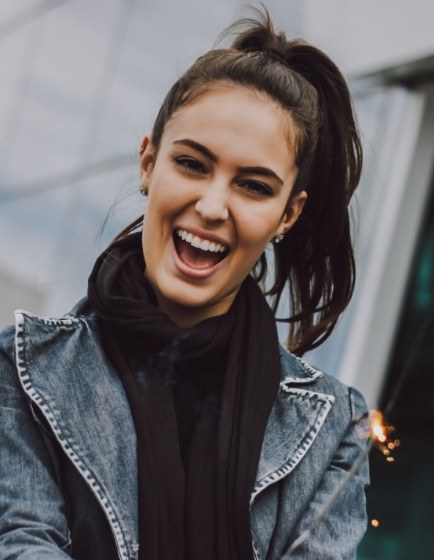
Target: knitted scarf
[197, 510]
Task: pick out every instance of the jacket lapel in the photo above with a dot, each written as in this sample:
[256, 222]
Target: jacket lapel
[64, 371]
[65, 374]
[295, 420]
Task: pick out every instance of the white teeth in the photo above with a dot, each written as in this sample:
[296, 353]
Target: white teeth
[196, 241]
[203, 244]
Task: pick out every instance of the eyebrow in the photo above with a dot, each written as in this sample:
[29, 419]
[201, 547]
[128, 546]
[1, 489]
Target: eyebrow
[257, 170]
[264, 171]
[198, 147]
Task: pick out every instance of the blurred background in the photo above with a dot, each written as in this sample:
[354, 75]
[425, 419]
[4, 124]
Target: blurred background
[81, 83]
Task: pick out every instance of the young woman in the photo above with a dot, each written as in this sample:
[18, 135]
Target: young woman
[160, 419]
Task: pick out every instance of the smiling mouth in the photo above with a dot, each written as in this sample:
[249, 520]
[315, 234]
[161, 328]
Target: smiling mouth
[196, 252]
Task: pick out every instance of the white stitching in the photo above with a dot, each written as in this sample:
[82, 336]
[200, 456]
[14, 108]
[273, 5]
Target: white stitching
[285, 469]
[122, 540]
[313, 371]
[68, 320]
[311, 394]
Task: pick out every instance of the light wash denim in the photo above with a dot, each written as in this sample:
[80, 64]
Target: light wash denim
[68, 481]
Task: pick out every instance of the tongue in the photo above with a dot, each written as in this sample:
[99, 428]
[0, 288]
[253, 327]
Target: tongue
[196, 258]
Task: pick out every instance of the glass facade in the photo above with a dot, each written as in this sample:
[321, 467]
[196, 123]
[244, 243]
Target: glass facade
[401, 496]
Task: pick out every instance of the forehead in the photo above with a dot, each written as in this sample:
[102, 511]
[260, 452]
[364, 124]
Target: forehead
[235, 119]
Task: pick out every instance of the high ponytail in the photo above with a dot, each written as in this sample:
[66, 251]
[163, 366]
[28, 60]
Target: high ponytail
[326, 284]
[315, 260]
[322, 286]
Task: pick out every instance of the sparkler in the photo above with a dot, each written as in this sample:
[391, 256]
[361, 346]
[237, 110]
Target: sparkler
[379, 436]
[377, 430]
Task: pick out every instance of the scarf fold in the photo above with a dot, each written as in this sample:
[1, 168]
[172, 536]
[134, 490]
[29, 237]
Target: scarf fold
[198, 510]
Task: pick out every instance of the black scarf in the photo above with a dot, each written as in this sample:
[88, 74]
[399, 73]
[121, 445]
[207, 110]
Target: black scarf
[200, 512]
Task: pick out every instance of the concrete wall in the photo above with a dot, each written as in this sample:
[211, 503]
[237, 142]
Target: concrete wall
[16, 293]
[368, 36]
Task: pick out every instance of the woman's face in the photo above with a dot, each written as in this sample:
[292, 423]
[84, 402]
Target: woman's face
[218, 193]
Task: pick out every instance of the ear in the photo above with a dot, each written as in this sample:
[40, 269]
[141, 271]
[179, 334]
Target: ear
[146, 154]
[292, 212]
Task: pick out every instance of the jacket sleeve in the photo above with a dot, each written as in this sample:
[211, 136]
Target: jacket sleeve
[32, 519]
[336, 535]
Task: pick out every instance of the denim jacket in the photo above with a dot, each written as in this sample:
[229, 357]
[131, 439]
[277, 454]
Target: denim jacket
[68, 484]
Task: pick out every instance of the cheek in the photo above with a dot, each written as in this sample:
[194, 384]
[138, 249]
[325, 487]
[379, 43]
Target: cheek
[168, 194]
[256, 230]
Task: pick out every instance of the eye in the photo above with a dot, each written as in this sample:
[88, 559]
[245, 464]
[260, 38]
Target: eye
[190, 164]
[257, 188]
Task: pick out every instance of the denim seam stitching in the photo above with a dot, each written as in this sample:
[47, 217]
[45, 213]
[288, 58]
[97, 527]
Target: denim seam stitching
[288, 467]
[66, 321]
[313, 371]
[301, 380]
[121, 539]
[256, 551]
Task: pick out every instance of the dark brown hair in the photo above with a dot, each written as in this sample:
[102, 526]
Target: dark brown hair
[315, 259]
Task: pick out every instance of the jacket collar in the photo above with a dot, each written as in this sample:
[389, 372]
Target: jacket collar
[65, 372]
[297, 415]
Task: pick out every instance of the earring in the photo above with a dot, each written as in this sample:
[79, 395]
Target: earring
[278, 238]
[143, 190]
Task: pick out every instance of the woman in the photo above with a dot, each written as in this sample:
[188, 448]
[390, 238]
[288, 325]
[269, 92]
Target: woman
[160, 419]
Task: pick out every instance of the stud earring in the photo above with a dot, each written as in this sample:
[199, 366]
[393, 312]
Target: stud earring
[278, 238]
[143, 190]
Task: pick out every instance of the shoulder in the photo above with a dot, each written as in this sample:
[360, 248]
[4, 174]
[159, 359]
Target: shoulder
[35, 329]
[56, 363]
[297, 373]
[41, 339]
[81, 312]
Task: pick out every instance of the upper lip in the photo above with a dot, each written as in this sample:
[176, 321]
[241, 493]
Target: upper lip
[204, 234]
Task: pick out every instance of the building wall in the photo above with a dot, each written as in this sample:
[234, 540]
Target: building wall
[14, 289]
[371, 35]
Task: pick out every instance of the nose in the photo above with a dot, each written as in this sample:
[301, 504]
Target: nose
[213, 203]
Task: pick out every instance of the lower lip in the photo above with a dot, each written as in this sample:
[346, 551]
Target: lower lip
[193, 272]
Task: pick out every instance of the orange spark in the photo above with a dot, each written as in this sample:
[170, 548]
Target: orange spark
[378, 427]
[380, 433]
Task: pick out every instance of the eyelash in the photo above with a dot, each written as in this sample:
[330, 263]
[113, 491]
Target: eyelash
[190, 164]
[194, 166]
[259, 188]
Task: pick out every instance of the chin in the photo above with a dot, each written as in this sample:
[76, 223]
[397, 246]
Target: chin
[188, 305]
[187, 297]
